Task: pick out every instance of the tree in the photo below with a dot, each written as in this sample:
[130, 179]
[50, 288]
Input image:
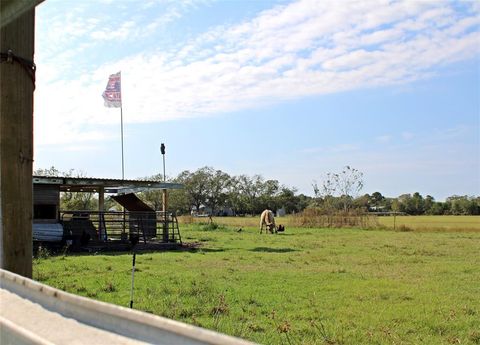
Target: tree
[195, 186]
[153, 198]
[418, 204]
[286, 198]
[268, 193]
[50, 172]
[363, 202]
[216, 189]
[428, 203]
[249, 190]
[437, 208]
[463, 205]
[234, 198]
[77, 200]
[345, 185]
[377, 199]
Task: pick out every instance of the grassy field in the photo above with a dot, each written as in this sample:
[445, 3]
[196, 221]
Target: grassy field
[413, 223]
[434, 223]
[307, 286]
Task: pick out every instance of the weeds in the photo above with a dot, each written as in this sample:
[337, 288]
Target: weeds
[43, 253]
[221, 307]
[91, 294]
[284, 327]
[404, 228]
[109, 287]
[322, 331]
[316, 218]
[475, 337]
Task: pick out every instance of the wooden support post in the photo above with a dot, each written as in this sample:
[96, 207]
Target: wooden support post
[16, 146]
[101, 199]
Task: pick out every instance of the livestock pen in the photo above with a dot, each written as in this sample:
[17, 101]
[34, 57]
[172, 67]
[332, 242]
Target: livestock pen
[101, 229]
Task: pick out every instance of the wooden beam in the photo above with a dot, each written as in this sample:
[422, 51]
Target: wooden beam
[101, 199]
[165, 215]
[16, 145]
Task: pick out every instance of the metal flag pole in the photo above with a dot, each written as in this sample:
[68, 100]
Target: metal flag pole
[121, 133]
[121, 139]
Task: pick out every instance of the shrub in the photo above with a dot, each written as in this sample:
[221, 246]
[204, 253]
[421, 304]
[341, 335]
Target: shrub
[404, 228]
[317, 218]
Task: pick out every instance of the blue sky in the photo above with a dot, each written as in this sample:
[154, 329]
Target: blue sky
[290, 90]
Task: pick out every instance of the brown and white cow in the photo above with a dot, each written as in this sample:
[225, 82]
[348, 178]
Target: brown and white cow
[267, 219]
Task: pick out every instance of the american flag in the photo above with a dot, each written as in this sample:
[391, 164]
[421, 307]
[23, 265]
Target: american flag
[113, 92]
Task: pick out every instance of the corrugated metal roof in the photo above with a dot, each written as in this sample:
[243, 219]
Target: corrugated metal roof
[92, 184]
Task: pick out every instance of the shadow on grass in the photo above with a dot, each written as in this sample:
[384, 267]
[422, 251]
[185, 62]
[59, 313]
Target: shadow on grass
[272, 250]
[207, 250]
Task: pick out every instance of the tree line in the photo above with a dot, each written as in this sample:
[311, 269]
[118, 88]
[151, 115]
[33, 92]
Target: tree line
[216, 192]
[220, 194]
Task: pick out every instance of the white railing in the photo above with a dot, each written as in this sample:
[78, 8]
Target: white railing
[34, 313]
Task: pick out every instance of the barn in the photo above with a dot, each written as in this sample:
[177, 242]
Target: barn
[101, 228]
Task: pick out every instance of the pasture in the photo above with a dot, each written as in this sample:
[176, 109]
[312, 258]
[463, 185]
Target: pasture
[306, 286]
[433, 223]
[410, 223]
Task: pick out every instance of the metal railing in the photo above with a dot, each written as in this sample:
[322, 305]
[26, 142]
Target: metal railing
[123, 226]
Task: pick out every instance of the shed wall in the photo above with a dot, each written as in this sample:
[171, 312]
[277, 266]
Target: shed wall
[46, 195]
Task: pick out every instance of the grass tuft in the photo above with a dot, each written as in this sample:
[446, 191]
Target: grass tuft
[109, 287]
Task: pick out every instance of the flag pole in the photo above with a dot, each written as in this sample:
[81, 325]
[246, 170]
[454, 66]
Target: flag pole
[121, 134]
[123, 171]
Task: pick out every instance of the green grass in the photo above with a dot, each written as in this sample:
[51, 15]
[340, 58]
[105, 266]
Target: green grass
[413, 223]
[307, 286]
[434, 223]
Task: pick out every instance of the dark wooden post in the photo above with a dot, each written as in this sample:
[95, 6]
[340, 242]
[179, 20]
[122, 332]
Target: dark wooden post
[16, 146]
[101, 199]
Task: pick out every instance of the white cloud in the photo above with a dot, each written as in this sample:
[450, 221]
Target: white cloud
[408, 136]
[384, 138]
[290, 51]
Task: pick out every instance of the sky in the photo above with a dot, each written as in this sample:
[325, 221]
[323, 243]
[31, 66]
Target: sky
[290, 90]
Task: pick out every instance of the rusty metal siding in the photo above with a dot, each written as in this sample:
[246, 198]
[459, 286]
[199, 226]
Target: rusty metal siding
[132, 203]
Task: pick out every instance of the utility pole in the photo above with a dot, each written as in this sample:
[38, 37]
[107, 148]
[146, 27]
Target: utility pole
[17, 83]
